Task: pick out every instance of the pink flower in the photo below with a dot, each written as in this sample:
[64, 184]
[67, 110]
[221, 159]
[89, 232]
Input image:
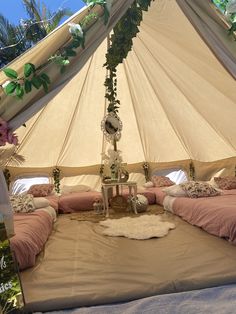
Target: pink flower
[12, 138]
[3, 137]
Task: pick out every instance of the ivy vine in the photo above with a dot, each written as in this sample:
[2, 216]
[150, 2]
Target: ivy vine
[56, 177]
[121, 43]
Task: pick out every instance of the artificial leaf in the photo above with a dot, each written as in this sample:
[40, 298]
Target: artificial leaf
[36, 82]
[10, 88]
[10, 73]
[29, 69]
[45, 86]
[28, 86]
[45, 78]
[19, 91]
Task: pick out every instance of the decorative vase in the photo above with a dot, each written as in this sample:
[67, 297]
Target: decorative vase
[123, 175]
[114, 172]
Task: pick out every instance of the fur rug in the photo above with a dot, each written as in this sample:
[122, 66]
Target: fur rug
[140, 228]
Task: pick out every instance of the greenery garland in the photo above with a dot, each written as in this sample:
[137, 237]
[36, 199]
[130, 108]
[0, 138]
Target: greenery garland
[121, 43]
[56, 177]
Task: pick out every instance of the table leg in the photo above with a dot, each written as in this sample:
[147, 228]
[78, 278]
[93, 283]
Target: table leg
[135, 196]
[105, 201]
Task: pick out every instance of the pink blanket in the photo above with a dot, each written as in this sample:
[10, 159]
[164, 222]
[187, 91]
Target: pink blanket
[216, 215]
[31, 232]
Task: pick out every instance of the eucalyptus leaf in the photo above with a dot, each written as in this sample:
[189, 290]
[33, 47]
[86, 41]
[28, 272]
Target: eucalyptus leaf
[10, 73]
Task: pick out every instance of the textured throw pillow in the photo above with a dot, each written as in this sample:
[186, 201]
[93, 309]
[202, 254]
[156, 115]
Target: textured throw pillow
[41, 202]
[175, 190]
[22, 203]
[161, 181]
[225, 183]
[40, 190]
[195, 189]
[66, 189]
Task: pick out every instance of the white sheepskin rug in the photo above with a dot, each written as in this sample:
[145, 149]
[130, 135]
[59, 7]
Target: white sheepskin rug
[140, 228]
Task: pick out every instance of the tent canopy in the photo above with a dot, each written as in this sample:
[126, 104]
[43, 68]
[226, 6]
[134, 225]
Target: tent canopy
[178, 102]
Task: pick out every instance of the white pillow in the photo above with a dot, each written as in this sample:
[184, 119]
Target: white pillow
[66, 189]
[148, 184]
[40, 202]
[174, 190]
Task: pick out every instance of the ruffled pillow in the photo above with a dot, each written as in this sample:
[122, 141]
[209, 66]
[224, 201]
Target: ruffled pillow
[195, 189]
[225, 183]
[40, 190]
[161, 181]
[22, 203]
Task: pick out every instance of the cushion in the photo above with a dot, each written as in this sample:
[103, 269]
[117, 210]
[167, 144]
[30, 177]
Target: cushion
[195, 189]
[22, 203]
[225, 183]
[67, 189]
[174, 190]
[161, 181]
[40, 202]
[148, 184]
[40, 190]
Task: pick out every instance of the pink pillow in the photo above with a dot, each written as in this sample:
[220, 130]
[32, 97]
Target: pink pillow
[40, 190]
[161, 181]
[225, 183]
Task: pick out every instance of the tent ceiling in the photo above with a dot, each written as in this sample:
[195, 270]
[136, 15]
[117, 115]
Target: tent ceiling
[177, 102]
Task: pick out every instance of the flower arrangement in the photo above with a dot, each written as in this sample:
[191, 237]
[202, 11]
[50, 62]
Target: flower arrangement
[113, 159]
[6, 135]
[146, 170]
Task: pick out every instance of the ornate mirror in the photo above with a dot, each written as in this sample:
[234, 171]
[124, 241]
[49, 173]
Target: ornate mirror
[111, 126]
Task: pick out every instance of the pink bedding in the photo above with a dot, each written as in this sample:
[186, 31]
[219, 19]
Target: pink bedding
[216, 215]
[159, 194]
[31, 232]
[73, 202]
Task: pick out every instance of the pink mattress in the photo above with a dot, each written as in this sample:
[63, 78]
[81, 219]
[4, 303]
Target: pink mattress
[74, 202]
[31, 232]
[216, 215]
[159, 194]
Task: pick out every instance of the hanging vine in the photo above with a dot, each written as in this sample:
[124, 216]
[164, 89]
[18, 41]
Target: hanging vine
[56, 178]
[121, 43]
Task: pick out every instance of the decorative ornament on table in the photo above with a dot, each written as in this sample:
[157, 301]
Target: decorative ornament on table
[146, 170]
[113, 159]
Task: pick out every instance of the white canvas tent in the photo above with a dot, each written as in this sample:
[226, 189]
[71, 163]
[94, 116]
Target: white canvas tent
[177, 100]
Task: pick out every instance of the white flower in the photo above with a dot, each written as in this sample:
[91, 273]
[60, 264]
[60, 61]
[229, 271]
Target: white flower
[4, 85]
[75, 29]
[112, 158]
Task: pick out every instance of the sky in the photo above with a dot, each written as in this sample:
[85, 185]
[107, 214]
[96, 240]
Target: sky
[14, 10]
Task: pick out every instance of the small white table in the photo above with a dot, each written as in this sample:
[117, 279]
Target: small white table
[106, 186]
